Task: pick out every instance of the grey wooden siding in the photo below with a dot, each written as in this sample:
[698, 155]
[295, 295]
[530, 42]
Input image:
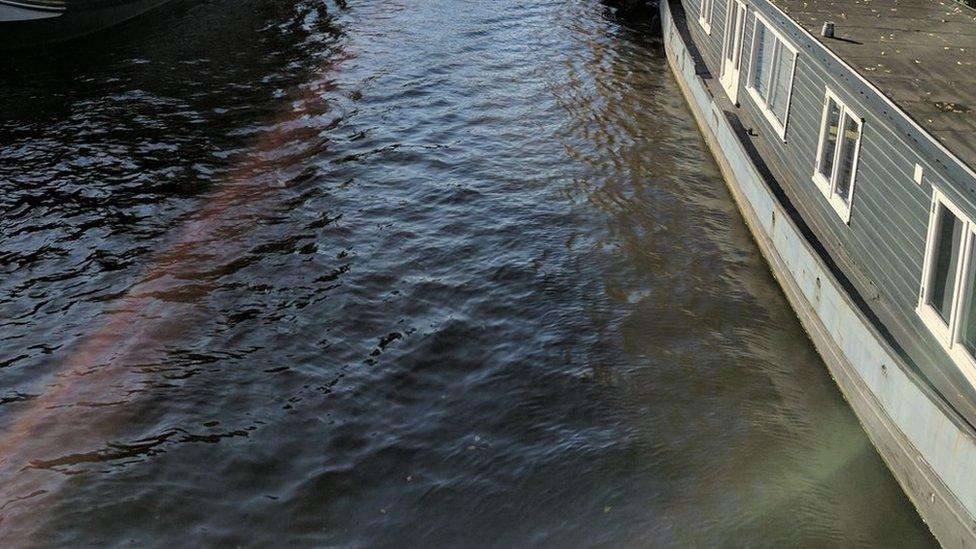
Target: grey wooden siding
[882, 249]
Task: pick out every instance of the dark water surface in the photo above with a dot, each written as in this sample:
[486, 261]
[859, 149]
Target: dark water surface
[407, 273]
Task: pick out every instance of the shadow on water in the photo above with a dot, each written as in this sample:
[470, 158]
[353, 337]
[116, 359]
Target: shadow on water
[640, 15]
[397, 273]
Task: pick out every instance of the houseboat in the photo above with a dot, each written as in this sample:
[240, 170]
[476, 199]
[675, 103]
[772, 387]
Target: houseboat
[29, 23]
[846, 133]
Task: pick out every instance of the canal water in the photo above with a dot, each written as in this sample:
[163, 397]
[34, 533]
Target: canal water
[429, 273]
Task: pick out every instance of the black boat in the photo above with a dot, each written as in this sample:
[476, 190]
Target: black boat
[28, 23]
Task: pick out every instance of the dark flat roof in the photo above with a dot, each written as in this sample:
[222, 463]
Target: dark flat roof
[920, 53]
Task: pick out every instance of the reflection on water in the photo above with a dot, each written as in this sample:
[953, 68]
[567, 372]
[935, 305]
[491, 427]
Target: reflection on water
[397, 273]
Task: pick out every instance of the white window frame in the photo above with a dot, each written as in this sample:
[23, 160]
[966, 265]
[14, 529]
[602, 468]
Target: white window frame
[949, 335]
[705, 10]
[827, 187]
[778, 127]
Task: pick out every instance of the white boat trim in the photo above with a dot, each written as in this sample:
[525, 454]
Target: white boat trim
[35, 7]
[15, 12]
[929, 448]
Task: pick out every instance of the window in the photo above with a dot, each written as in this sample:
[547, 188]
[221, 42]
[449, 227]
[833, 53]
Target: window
[705, 15]
[946, 302]
[770, 81]
[836, 166]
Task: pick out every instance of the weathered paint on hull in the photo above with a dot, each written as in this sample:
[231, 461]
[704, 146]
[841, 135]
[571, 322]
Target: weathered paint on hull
[930, 449]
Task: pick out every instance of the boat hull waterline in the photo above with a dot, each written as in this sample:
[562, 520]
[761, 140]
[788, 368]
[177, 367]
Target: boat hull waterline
[924, 445]
[32, 24]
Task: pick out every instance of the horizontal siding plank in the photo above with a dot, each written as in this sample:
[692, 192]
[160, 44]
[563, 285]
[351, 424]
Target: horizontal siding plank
[882, 249]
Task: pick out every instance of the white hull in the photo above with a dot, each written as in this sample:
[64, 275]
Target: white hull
[930, 450]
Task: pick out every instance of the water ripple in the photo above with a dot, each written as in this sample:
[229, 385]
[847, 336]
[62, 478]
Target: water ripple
[439, 273]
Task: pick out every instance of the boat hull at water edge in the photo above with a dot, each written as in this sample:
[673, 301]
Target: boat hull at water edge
[32, 23]
[928, 445]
